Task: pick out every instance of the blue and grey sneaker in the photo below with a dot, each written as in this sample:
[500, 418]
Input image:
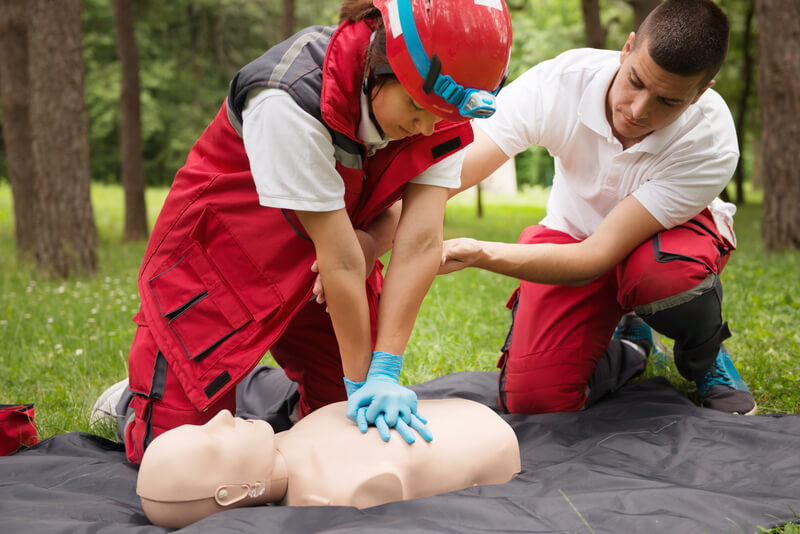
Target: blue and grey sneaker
[722, 388]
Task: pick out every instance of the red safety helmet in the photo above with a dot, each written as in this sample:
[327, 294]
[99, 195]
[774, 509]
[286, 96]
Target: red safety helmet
[450, 55]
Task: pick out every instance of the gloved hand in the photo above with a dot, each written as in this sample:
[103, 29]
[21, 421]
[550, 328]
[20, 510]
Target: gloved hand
[383, 402]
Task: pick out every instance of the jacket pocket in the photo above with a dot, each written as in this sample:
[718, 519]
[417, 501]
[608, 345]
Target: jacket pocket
[199, 306]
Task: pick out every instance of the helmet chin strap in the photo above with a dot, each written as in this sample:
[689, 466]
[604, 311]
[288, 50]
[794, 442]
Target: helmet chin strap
[368, 83]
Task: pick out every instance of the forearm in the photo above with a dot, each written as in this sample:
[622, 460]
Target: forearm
[415, 259]
[349, 312]
[545, 263]
[341, 267]
[579, 263]
[408, 278]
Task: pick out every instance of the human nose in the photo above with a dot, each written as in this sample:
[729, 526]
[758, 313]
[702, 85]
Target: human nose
[640, 106]
[426, 122]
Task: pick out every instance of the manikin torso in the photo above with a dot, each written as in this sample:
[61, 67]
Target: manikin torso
[329, 462]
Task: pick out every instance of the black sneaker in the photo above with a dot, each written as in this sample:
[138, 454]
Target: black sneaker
[722, 388]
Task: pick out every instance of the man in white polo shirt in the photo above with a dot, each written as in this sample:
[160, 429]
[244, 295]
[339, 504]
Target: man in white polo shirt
[642, 148]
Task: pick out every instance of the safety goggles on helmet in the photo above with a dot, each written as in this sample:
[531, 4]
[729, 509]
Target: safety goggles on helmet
[471, 103]
[450, 55]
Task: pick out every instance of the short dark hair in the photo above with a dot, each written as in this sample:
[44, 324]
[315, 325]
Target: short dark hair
[686, 37]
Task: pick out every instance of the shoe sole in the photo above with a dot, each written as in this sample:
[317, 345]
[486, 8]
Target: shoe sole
[753, 410]
[98, 412]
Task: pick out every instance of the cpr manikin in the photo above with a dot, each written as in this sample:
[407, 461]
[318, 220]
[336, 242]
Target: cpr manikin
[193, 471]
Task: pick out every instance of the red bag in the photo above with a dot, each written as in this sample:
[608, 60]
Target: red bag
[16, 427]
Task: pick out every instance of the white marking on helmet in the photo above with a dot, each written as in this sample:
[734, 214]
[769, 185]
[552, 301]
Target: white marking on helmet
[497, 4]
[394, 19]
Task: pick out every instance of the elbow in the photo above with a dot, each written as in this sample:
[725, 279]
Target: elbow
[343, 262]
[422, 242]
[583, 281]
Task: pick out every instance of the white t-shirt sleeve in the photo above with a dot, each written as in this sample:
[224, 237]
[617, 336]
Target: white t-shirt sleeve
[290, 153]
[697, 168]
[444, 173]
[686, 187]
[524, 109]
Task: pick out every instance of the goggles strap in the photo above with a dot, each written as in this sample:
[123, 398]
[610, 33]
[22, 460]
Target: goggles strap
[431, 68]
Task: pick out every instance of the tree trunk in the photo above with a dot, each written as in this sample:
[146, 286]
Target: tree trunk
[287, 19]
[593, 30]
[131, 124]
[641, 8]
[741, 114]
[14, 98]
[479, 198]
[779, 92]
[65, 235]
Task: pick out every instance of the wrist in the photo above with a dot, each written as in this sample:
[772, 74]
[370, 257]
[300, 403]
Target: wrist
[351, 387]
[385, 365]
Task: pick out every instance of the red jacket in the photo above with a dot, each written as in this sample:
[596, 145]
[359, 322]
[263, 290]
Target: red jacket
[222, 275]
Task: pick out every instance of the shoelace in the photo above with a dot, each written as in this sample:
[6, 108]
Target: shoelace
[717, 376]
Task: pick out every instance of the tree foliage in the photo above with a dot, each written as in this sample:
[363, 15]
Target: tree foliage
[189, 50]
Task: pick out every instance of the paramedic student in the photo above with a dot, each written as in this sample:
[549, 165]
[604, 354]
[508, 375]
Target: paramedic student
[316, 141]
[642, 147]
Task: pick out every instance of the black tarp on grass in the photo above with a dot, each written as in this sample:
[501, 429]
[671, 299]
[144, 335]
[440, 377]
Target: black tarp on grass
[643, 461]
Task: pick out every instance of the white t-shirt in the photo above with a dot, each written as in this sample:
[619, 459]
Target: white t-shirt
[674, 172]
[291, 154]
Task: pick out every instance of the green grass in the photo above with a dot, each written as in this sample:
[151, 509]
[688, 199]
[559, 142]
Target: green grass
[63, 343]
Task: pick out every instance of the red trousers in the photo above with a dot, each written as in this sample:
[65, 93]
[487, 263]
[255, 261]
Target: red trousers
[307, 351]
[559, 333]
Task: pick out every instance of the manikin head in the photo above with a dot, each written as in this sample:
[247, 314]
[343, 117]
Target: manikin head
[666, 66]
[193, 471]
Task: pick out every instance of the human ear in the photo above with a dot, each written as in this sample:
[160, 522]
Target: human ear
[703, 90]
[627, 48]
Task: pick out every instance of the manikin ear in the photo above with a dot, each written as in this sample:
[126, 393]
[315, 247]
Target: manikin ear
[230, 494]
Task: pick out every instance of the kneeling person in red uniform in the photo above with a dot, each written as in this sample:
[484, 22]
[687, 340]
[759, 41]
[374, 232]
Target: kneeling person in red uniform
[642, 147]
[303, 167]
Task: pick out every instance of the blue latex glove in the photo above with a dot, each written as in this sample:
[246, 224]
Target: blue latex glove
[383, 402]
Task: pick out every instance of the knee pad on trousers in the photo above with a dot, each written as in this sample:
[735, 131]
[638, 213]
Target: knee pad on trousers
[695, 323]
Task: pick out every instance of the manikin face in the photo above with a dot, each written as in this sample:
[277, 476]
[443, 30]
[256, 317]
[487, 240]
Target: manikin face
[233, 436]
[398, 114]
[192, 461]
[644, 97]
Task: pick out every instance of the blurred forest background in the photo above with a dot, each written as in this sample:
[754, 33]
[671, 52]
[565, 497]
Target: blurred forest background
[118, 91]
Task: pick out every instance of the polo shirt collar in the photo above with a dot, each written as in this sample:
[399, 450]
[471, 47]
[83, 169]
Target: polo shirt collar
[592, 112]
[592, 106]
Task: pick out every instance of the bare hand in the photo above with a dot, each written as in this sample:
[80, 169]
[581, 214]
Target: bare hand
[458, 254]
[317, 290]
